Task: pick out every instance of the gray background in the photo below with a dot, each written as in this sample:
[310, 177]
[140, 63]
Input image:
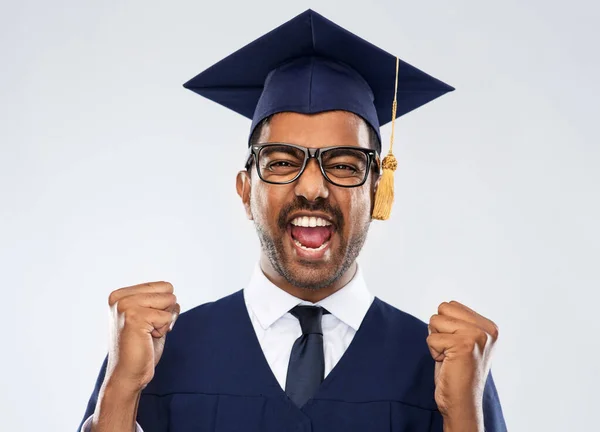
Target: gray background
[112, 174]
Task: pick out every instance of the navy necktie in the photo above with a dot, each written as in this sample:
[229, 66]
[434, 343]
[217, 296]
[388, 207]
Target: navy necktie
[307, 362]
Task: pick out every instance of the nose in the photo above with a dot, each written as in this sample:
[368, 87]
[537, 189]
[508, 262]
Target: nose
[311, 184]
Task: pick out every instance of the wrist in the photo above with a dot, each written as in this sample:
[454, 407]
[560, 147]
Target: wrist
[464, 420]
[116, 408]
[121, 390]
[122, 384]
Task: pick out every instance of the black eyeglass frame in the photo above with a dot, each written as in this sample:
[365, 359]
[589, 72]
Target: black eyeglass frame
[310, 152]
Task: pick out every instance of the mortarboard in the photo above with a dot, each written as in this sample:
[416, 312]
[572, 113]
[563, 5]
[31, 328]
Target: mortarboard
[309, 65]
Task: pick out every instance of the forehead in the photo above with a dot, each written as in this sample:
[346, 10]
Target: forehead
[329, 128]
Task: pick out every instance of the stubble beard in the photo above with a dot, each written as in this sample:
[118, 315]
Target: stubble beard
[311, 276]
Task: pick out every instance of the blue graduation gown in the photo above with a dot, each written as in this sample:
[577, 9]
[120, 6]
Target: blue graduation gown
[214, 377]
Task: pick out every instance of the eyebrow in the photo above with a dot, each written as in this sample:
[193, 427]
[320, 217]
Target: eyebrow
[344, 151]
[282, 148]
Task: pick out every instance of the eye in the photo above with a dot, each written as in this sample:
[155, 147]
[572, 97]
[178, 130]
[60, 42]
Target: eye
[281, 164]
[343, 167]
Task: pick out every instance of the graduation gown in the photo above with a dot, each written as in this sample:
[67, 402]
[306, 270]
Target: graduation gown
[213, 377]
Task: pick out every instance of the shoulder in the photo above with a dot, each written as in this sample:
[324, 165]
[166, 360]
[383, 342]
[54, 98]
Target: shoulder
[210, 312]
[403, 332]
[399, 320]
[402, 364]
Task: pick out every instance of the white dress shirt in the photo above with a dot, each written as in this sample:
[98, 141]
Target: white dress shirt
[277, 329]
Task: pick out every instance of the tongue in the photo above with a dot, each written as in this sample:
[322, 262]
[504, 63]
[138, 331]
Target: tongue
[311, 237]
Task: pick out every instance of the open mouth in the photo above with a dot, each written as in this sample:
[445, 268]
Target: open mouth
[311, 235]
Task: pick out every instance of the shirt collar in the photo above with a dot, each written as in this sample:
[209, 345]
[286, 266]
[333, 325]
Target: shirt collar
[269, 302]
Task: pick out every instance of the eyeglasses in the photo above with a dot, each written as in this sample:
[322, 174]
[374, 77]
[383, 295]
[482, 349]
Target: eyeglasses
[281, 163]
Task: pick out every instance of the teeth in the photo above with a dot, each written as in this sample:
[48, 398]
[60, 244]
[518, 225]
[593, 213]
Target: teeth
[308, 222]
[323, 246]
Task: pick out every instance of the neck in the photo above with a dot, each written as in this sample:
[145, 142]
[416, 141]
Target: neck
[306, 294]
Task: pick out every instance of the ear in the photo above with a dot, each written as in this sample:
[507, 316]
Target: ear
[375, 184]
[243, 186]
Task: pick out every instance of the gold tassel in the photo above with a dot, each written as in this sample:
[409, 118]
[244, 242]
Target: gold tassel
[384, 197]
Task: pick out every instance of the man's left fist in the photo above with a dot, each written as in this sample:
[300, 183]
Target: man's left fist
[461, 343]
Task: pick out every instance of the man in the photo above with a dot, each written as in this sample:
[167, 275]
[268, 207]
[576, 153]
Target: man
[305, 346]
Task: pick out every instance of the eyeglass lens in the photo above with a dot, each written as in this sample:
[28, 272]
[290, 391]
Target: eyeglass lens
[283, 163]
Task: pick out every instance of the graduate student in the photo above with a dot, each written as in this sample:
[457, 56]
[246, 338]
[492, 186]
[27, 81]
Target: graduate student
[305, 346]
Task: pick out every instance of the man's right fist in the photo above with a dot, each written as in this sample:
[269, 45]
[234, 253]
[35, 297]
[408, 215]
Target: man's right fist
[141, 317]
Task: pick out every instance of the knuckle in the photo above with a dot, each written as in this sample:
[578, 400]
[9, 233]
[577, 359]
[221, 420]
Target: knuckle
[163, 298]
[442, 308]
[456, 305]
[482, 338]
[168, 286]
[113, 297]
[495, 331]
[468, 344]
[120, 305]
[130, 315]
[432, 338]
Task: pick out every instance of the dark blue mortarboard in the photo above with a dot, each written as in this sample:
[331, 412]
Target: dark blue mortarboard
[309, 65]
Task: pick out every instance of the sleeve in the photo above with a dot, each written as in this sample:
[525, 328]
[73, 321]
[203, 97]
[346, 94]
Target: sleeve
[88, 424]
[91, 406]
[493, 418]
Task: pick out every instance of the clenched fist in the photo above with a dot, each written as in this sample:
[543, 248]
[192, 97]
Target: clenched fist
[141, 317]
[461, 343]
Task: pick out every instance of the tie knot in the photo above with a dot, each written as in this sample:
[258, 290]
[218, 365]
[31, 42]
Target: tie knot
[310, 318]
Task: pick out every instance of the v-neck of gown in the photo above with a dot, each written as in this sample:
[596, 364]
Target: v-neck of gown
[263, 376]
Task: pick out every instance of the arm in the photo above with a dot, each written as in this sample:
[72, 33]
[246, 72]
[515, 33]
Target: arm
[461, 342]
[489, 418]
[114, 404]
[141, 317]
[87, 426]
[116, 410]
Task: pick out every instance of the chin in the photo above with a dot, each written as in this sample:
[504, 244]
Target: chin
[309, 268]
[310, 274]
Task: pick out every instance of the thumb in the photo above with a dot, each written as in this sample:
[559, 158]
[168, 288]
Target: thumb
[176, 312]
[163, 330]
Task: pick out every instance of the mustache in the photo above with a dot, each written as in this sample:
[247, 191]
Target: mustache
[302, 204]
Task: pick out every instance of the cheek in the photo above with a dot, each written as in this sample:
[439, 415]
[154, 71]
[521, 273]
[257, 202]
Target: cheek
[266, 202]
[358, 207]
